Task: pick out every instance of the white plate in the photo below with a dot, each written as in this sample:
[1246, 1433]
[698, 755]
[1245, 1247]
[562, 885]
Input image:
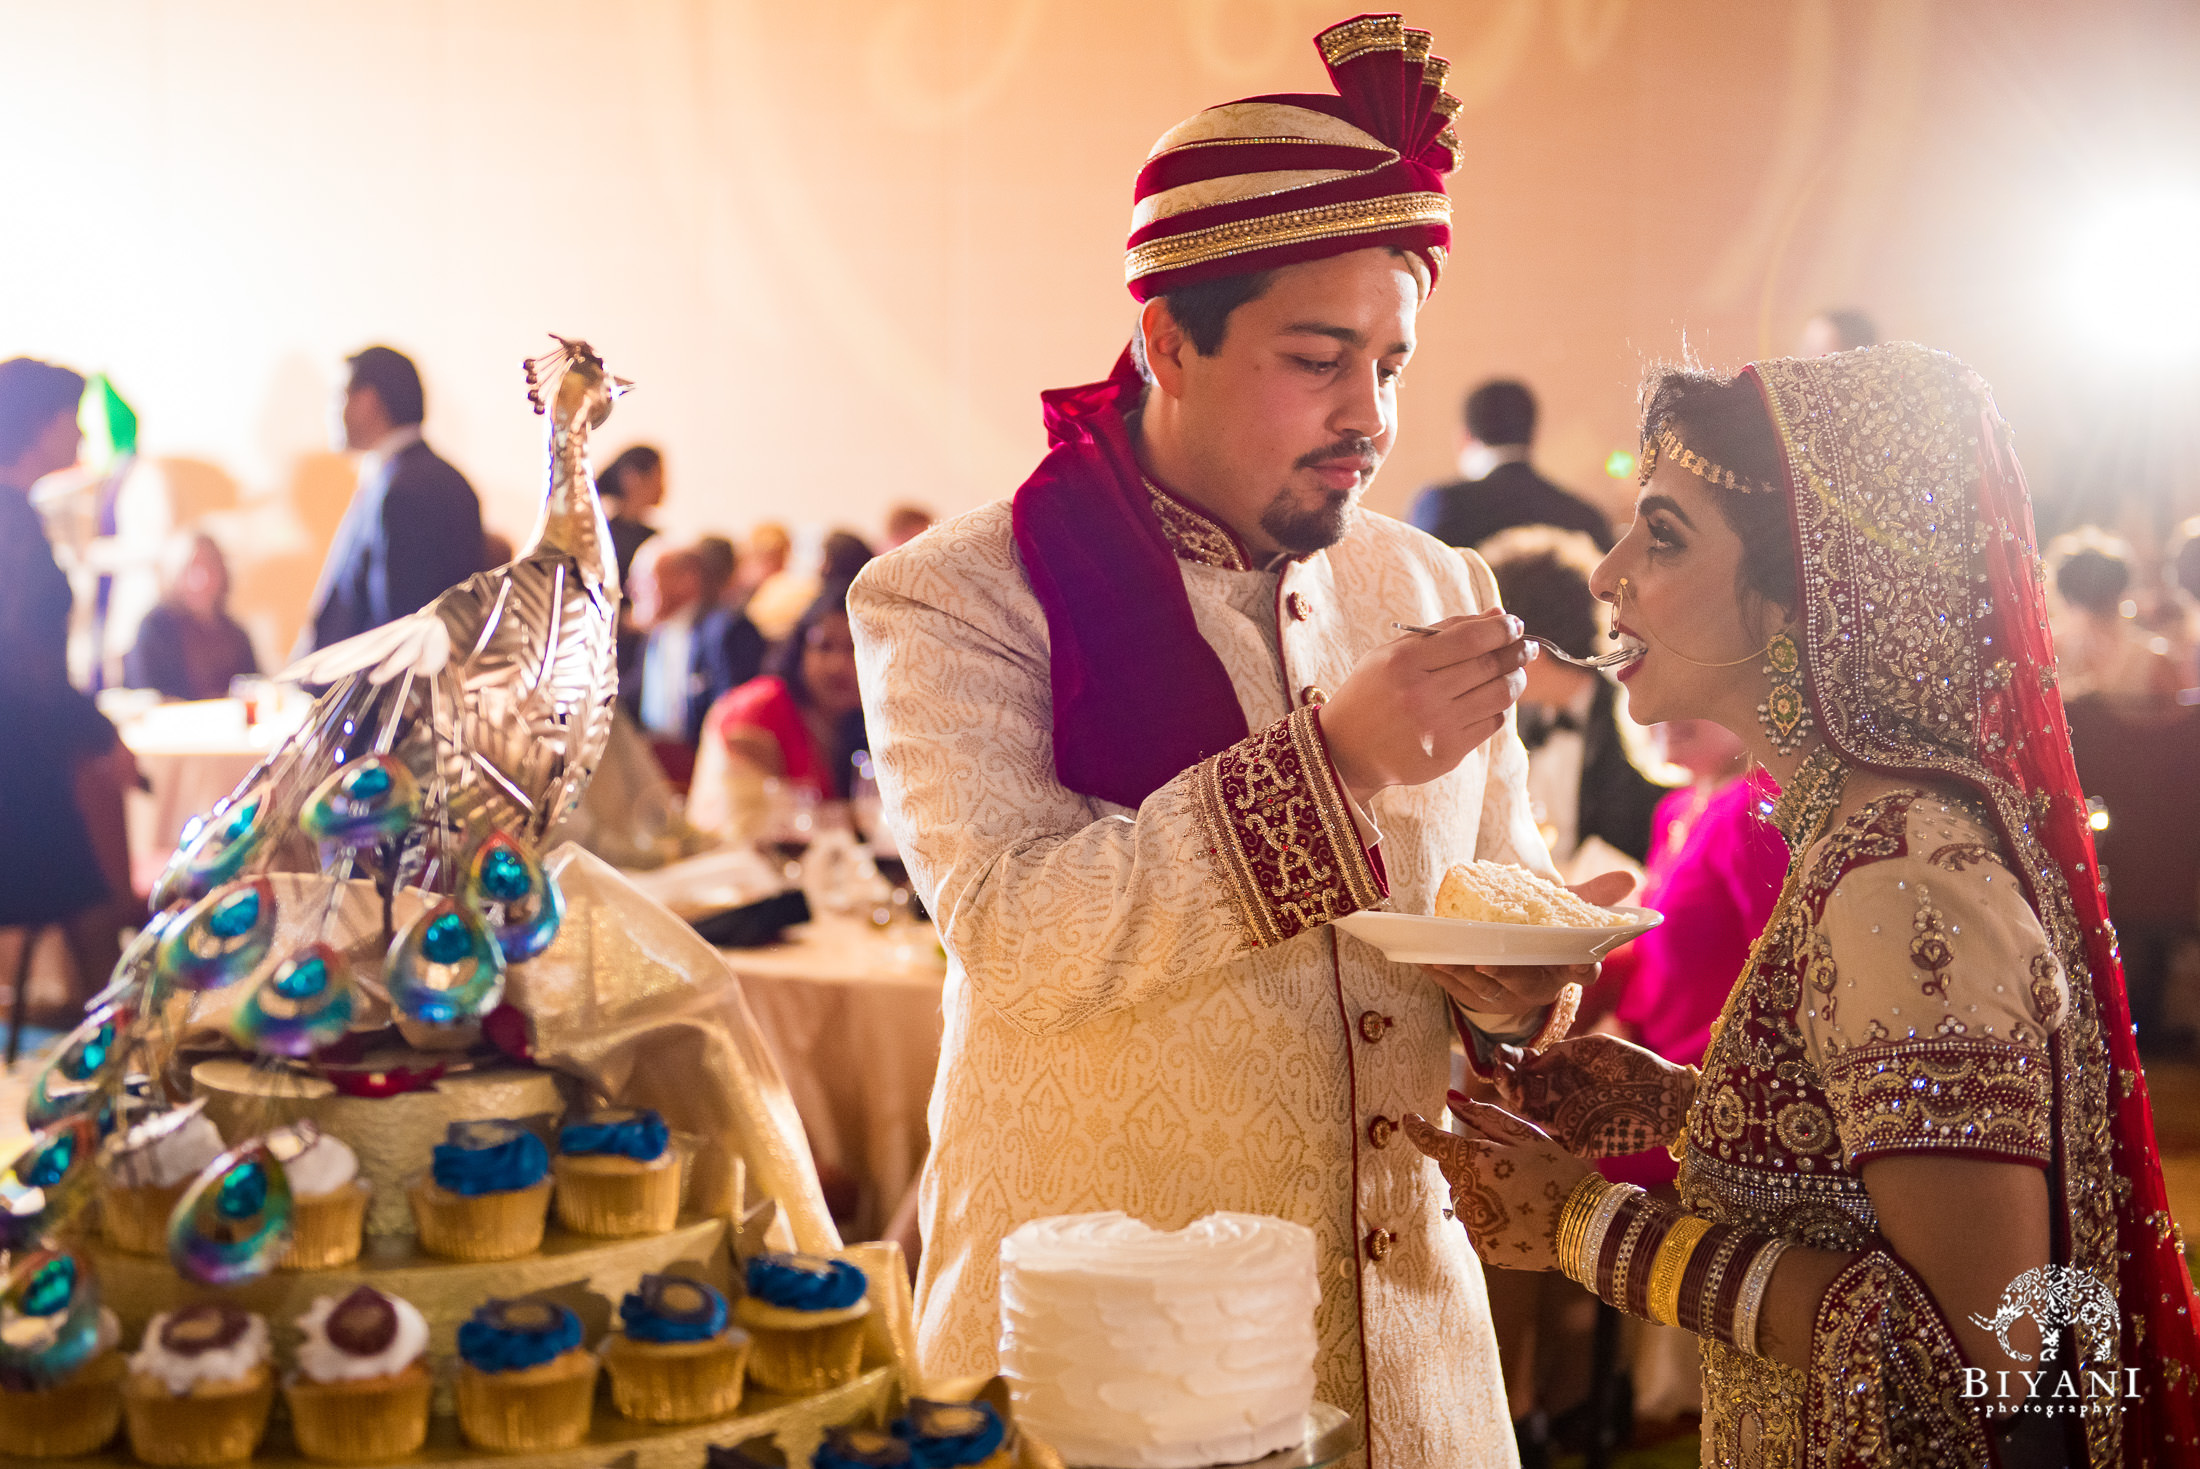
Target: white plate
[1413, 938]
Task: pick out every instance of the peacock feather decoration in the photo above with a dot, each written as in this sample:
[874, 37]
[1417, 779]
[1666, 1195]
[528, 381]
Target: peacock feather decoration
[443, 748]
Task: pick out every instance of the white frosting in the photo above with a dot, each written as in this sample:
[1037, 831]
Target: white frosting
[162, 1153]
[326, 1165]
[1132, 1348]
[322, 1361]
[181, 1374]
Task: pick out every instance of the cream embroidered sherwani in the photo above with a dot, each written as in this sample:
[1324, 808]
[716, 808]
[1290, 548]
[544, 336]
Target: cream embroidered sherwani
[1147, 1009]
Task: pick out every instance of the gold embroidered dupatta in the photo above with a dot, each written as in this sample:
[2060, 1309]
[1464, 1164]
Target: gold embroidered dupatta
[1926, 651]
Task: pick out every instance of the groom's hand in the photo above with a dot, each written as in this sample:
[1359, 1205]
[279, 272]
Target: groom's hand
[1415, 707]
[1493, 993]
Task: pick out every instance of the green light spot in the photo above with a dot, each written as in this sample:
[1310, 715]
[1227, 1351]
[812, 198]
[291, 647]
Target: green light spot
[1621, 465]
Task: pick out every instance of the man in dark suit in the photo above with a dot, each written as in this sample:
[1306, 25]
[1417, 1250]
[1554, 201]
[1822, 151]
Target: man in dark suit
[694, 648]
[1502, 490]
[413, 529]
[1580, 772]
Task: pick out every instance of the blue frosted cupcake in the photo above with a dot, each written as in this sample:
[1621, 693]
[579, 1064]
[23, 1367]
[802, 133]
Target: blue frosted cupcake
[618, 1176]
[678, 1358]
[487, 1195]
[525, 1383]
[806, 1315]
[954, 1435]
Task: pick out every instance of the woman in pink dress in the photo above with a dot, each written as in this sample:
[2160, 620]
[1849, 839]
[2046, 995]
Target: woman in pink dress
[1714, 872]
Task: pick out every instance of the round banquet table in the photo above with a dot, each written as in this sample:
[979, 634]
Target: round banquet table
[852, 1014]
[191, 755]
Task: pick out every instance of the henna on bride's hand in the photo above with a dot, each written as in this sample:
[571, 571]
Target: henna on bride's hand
[1507, 1185]
[1601, 1097]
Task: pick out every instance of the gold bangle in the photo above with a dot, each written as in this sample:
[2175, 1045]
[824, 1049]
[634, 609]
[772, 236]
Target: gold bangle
[1671, 1265]
[1573, 1218]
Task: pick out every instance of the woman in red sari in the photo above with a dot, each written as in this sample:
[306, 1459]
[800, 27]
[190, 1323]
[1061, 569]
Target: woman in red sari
[800, 722]
[1922, 1219]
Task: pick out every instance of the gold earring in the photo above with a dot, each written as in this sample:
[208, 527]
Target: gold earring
[1785, 712]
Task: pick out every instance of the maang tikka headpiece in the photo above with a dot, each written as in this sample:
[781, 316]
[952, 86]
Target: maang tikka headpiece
[1665, 444]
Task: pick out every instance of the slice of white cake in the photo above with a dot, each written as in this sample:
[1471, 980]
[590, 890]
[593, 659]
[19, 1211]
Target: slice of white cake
[1129, 1347]
[1498, 892]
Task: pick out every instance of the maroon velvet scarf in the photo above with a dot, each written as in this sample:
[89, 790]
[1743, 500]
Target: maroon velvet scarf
[1139, 696]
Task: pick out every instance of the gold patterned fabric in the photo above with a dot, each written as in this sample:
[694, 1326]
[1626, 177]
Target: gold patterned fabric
[1133, 1024]
[1196, 536]
[1939, 975]
[1279, 829]
[1851, 1038]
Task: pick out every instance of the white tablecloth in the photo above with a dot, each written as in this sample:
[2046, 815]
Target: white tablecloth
[852, 1014]
[192, 754]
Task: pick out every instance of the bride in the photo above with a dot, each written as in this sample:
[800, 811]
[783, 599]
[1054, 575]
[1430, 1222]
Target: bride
[1922, 1215]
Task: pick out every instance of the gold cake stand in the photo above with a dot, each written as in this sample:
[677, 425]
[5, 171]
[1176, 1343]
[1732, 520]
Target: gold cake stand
[795, 1425]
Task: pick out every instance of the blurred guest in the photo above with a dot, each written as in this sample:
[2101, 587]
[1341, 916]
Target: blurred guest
[801, 722]
[2181, 595]
[1842, 329]
[719, 561]
[845, 555]
[630, 487]
[766, 585]
[2138, 760]
[1501, 489]
[1714, 871]
[904, 523]
[2100, 648]
[413, 529]
[1580, 774]
[693, 649]
[63, 855]
[188, 646]
[763, 556]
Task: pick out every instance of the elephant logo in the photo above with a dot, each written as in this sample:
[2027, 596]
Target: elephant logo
[2053, 1296]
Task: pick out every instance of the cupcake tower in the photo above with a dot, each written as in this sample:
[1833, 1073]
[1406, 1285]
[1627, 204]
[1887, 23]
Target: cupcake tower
[203, 1382]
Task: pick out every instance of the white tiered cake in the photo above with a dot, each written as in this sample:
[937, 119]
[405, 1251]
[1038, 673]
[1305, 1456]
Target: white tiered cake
[1129, 1347]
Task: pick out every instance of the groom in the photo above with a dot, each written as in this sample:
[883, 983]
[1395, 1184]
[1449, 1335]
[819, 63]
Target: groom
[1146, 730]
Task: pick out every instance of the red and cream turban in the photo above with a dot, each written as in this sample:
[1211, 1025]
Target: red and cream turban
[1268, 181]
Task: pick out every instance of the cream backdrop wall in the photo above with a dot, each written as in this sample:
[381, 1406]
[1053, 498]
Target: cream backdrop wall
[841, 245]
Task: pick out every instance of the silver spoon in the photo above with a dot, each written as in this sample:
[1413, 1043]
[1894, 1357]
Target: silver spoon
[1612, 659]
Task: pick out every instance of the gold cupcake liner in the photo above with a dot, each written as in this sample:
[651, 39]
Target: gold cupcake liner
[369, 1421]
[799, 1360]
[325, 1228]
[136, 1219]
[618, 1203]
[214, 1423]
[75, 1416]
[498, 1226]
[677, 1382]
[536, 1408]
